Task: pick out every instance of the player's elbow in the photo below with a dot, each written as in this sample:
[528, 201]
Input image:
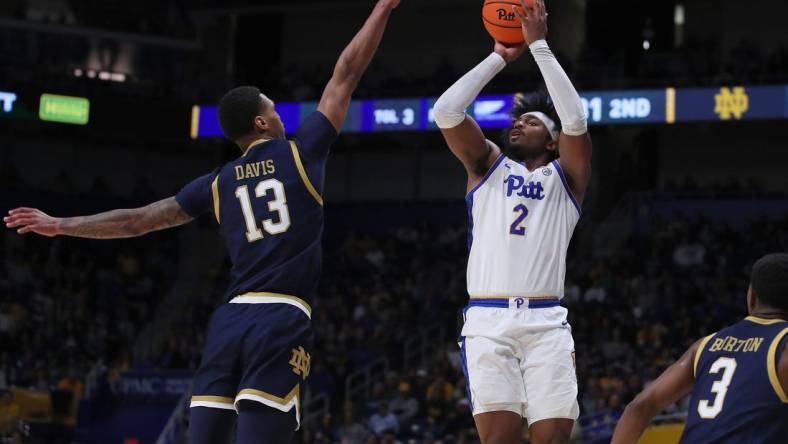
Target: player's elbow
[135, 225]
[345, 70]
[446, 115]
[576, 126]
[642, 406]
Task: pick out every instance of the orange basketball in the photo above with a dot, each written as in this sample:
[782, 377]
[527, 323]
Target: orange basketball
[501, 22]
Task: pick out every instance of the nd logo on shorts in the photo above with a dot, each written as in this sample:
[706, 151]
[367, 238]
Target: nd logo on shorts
[301, 362]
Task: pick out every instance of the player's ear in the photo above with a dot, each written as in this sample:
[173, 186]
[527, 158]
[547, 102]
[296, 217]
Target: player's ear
[260, 124]
[752, 300]
[552, 146]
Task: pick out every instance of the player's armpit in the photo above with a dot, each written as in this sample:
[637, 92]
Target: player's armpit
[673, 384]
[575, 160]
[476, 153]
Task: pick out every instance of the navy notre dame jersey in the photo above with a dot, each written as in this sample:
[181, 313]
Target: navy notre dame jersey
[269, 207]
[737, 396]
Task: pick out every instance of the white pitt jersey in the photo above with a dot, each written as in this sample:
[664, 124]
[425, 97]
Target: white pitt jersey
[519, 230]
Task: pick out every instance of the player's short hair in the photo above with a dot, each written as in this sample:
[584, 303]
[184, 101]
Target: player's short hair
[237, 111]
[540, 101]
[769, 280]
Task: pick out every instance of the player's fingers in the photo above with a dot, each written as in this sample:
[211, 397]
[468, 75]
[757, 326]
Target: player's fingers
[27, 219]
[526, 7]
[21, 210]
[11, 221]
[25, 229]
[16, 223]
[518, 12]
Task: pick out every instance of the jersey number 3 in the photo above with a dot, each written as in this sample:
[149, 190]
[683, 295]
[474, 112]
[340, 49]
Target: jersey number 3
[708, 410]
[278, 204]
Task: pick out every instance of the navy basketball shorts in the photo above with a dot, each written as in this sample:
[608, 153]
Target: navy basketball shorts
[258, 348]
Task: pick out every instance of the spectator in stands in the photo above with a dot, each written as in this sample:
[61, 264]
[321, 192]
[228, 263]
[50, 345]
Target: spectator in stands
[404, 405]
[383, 421]
[351, 431]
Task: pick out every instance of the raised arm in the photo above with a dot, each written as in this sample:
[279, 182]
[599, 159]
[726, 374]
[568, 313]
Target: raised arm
[462, 133]
[113, 224]
[352, 64]
[574, 143]
[673, 384]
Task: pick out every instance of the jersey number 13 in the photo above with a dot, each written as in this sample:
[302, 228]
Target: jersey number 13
[278, 205]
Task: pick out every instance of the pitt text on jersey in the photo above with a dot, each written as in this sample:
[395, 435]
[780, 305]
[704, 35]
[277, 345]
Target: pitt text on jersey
[530, 190]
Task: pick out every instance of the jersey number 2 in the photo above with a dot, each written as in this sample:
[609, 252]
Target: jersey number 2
[708, 410]
[278, 205]
[516, 227]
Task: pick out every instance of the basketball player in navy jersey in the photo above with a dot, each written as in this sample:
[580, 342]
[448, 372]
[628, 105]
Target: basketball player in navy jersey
[270, 211]
[738, 377]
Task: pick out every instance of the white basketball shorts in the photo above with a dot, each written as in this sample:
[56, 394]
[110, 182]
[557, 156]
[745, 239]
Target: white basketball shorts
[519, 356]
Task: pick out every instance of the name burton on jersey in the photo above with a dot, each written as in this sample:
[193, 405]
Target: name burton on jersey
[254, 169]
[734, 344]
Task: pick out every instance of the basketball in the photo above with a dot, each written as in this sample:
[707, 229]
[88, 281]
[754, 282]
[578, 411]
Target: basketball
[501, 22]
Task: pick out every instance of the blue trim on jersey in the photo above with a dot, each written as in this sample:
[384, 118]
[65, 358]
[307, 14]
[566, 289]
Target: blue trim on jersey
[543, 303]
[469, 198]
[494, 303]
[469, 202]
[566, 185]
[504, 303]
[464, 365]
[489, 173]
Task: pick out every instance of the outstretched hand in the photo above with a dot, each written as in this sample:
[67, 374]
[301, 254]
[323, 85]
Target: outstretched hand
[534, 21]
[27, 220]
[509, 53]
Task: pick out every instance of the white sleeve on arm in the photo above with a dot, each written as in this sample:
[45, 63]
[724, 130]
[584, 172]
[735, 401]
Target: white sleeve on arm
[565, 98]
[450, 108]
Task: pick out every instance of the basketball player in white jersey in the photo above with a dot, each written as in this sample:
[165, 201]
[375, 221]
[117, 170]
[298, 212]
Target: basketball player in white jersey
[523, 204]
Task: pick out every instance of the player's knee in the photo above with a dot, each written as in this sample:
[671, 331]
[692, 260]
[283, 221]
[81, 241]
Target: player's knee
[499, 436]
[554, 436]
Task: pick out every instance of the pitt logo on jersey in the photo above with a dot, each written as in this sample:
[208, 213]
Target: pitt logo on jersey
[529, 190]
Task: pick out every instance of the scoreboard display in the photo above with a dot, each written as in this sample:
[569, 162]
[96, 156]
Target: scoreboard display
[650, 106]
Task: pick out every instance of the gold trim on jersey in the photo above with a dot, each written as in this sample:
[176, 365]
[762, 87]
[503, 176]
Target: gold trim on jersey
[272, 398]
[771, 366]
[266, 294]
[698, 352]
[302, 172]
[254, 144]
[763, 321]
[219, 399]
[215, 191]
